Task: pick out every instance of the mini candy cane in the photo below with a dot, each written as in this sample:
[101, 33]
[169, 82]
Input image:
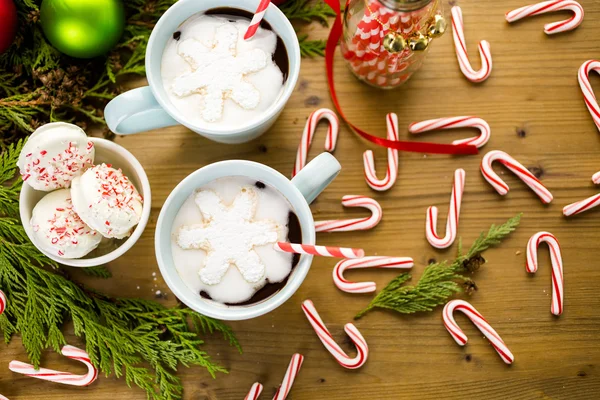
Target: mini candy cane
[358, 224]
[56, 376]
[326, 251]
[366, 262]
[518, 169]
[550, 6]
[254, 392]
[392, 170]
[588, 93]
[581, 206]
[309, 133]
[462, 54]
[557, 266]
[2, 302]
[453, 215]
[452, 123]
[257, 18]
[330, 344]
[596, 178]
[290, 376]
[481, 324]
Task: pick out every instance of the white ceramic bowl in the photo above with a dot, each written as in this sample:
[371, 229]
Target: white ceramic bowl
[110, 153]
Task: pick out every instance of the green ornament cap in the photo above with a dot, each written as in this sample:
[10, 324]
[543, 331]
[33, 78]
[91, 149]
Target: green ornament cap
[83, 28]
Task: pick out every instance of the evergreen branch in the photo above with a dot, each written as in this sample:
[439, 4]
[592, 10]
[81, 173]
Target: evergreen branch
[100, 271]
[439, 281]
[307, 11]
[139, 339]
[311, 48]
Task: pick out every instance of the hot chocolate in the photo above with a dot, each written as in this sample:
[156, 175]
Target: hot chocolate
[217, 79]
[223, 236]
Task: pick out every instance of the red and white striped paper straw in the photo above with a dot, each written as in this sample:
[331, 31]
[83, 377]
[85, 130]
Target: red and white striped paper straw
[461, 50]
[550, 6]
[392, 170]
[518, 169]
[557, 266]
[330, 344]
[254, 392]
[325, 251]
[481, 324]
[309, 133]
[453, 123]
[290, 376]
[66, 378]
[356, 224]
[257, 18]
[453, 215]
[366, 262]
[588, 93]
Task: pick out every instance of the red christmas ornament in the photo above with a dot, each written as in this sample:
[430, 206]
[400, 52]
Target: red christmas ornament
[8, 24]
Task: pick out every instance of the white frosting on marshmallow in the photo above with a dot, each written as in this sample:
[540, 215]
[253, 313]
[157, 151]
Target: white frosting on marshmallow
[214, 77]
[59, 230]
[270, 206]
[229, 235]
[107, 201]
[54, 155]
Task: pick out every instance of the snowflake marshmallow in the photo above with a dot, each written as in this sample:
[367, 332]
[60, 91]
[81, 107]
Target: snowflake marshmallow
[219, 72]
[228, 235]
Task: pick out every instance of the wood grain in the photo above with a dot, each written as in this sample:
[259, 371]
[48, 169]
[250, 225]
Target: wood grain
[535, 108]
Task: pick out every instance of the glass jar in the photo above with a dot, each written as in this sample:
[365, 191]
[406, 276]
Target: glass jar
[385, 41]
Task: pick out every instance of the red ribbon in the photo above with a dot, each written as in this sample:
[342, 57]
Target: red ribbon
[419, 147]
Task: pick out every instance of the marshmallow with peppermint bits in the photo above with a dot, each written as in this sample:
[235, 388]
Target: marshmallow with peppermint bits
[58, 229]
[54, 155]
[107, 201]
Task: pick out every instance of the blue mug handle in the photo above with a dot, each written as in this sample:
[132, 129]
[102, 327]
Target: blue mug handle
[136, 111]
[316, 176]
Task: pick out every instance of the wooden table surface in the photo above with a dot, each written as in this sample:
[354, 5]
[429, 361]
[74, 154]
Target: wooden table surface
[535, 108]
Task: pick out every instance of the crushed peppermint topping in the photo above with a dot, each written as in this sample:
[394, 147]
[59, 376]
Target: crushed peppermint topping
[65, 226]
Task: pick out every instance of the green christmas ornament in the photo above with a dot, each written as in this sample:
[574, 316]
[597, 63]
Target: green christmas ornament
[82, 28]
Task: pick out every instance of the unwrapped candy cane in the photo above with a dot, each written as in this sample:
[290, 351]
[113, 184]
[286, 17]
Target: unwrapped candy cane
[66, 378]
[584, 205]
[286, 385]
[518, 169]
[550, 6]
[588, 93]
[481, 324]
[557, 266]
[309, 133]
[392, 170]
[2, 302]
[357, 224]
[453, 123]
[366, 262]
[462, 54]
[453, 215]
[330, 344]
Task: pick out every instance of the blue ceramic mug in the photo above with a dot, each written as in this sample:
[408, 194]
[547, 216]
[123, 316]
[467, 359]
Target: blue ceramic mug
[299, 192]
[148, 107]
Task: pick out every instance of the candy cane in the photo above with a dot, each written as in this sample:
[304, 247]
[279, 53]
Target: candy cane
[588, 93]
[365, 262]
[581, 206]
[309, 133]
[290, 376]
[596, 178]
[392, 170]
[357, 224]
[330, 344]
[453, 215]
[481, 324]
[518, 169]
[550, 6]
[2, 302]
[257, 18]
[325, 251]
[452, 123]
[56, 376]
[462, 54]
[254, 392]
[557, 266]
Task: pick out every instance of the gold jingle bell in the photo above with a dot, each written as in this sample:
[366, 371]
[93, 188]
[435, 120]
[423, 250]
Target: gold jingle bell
[437, 27]
[419, 42]
[393, 42]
